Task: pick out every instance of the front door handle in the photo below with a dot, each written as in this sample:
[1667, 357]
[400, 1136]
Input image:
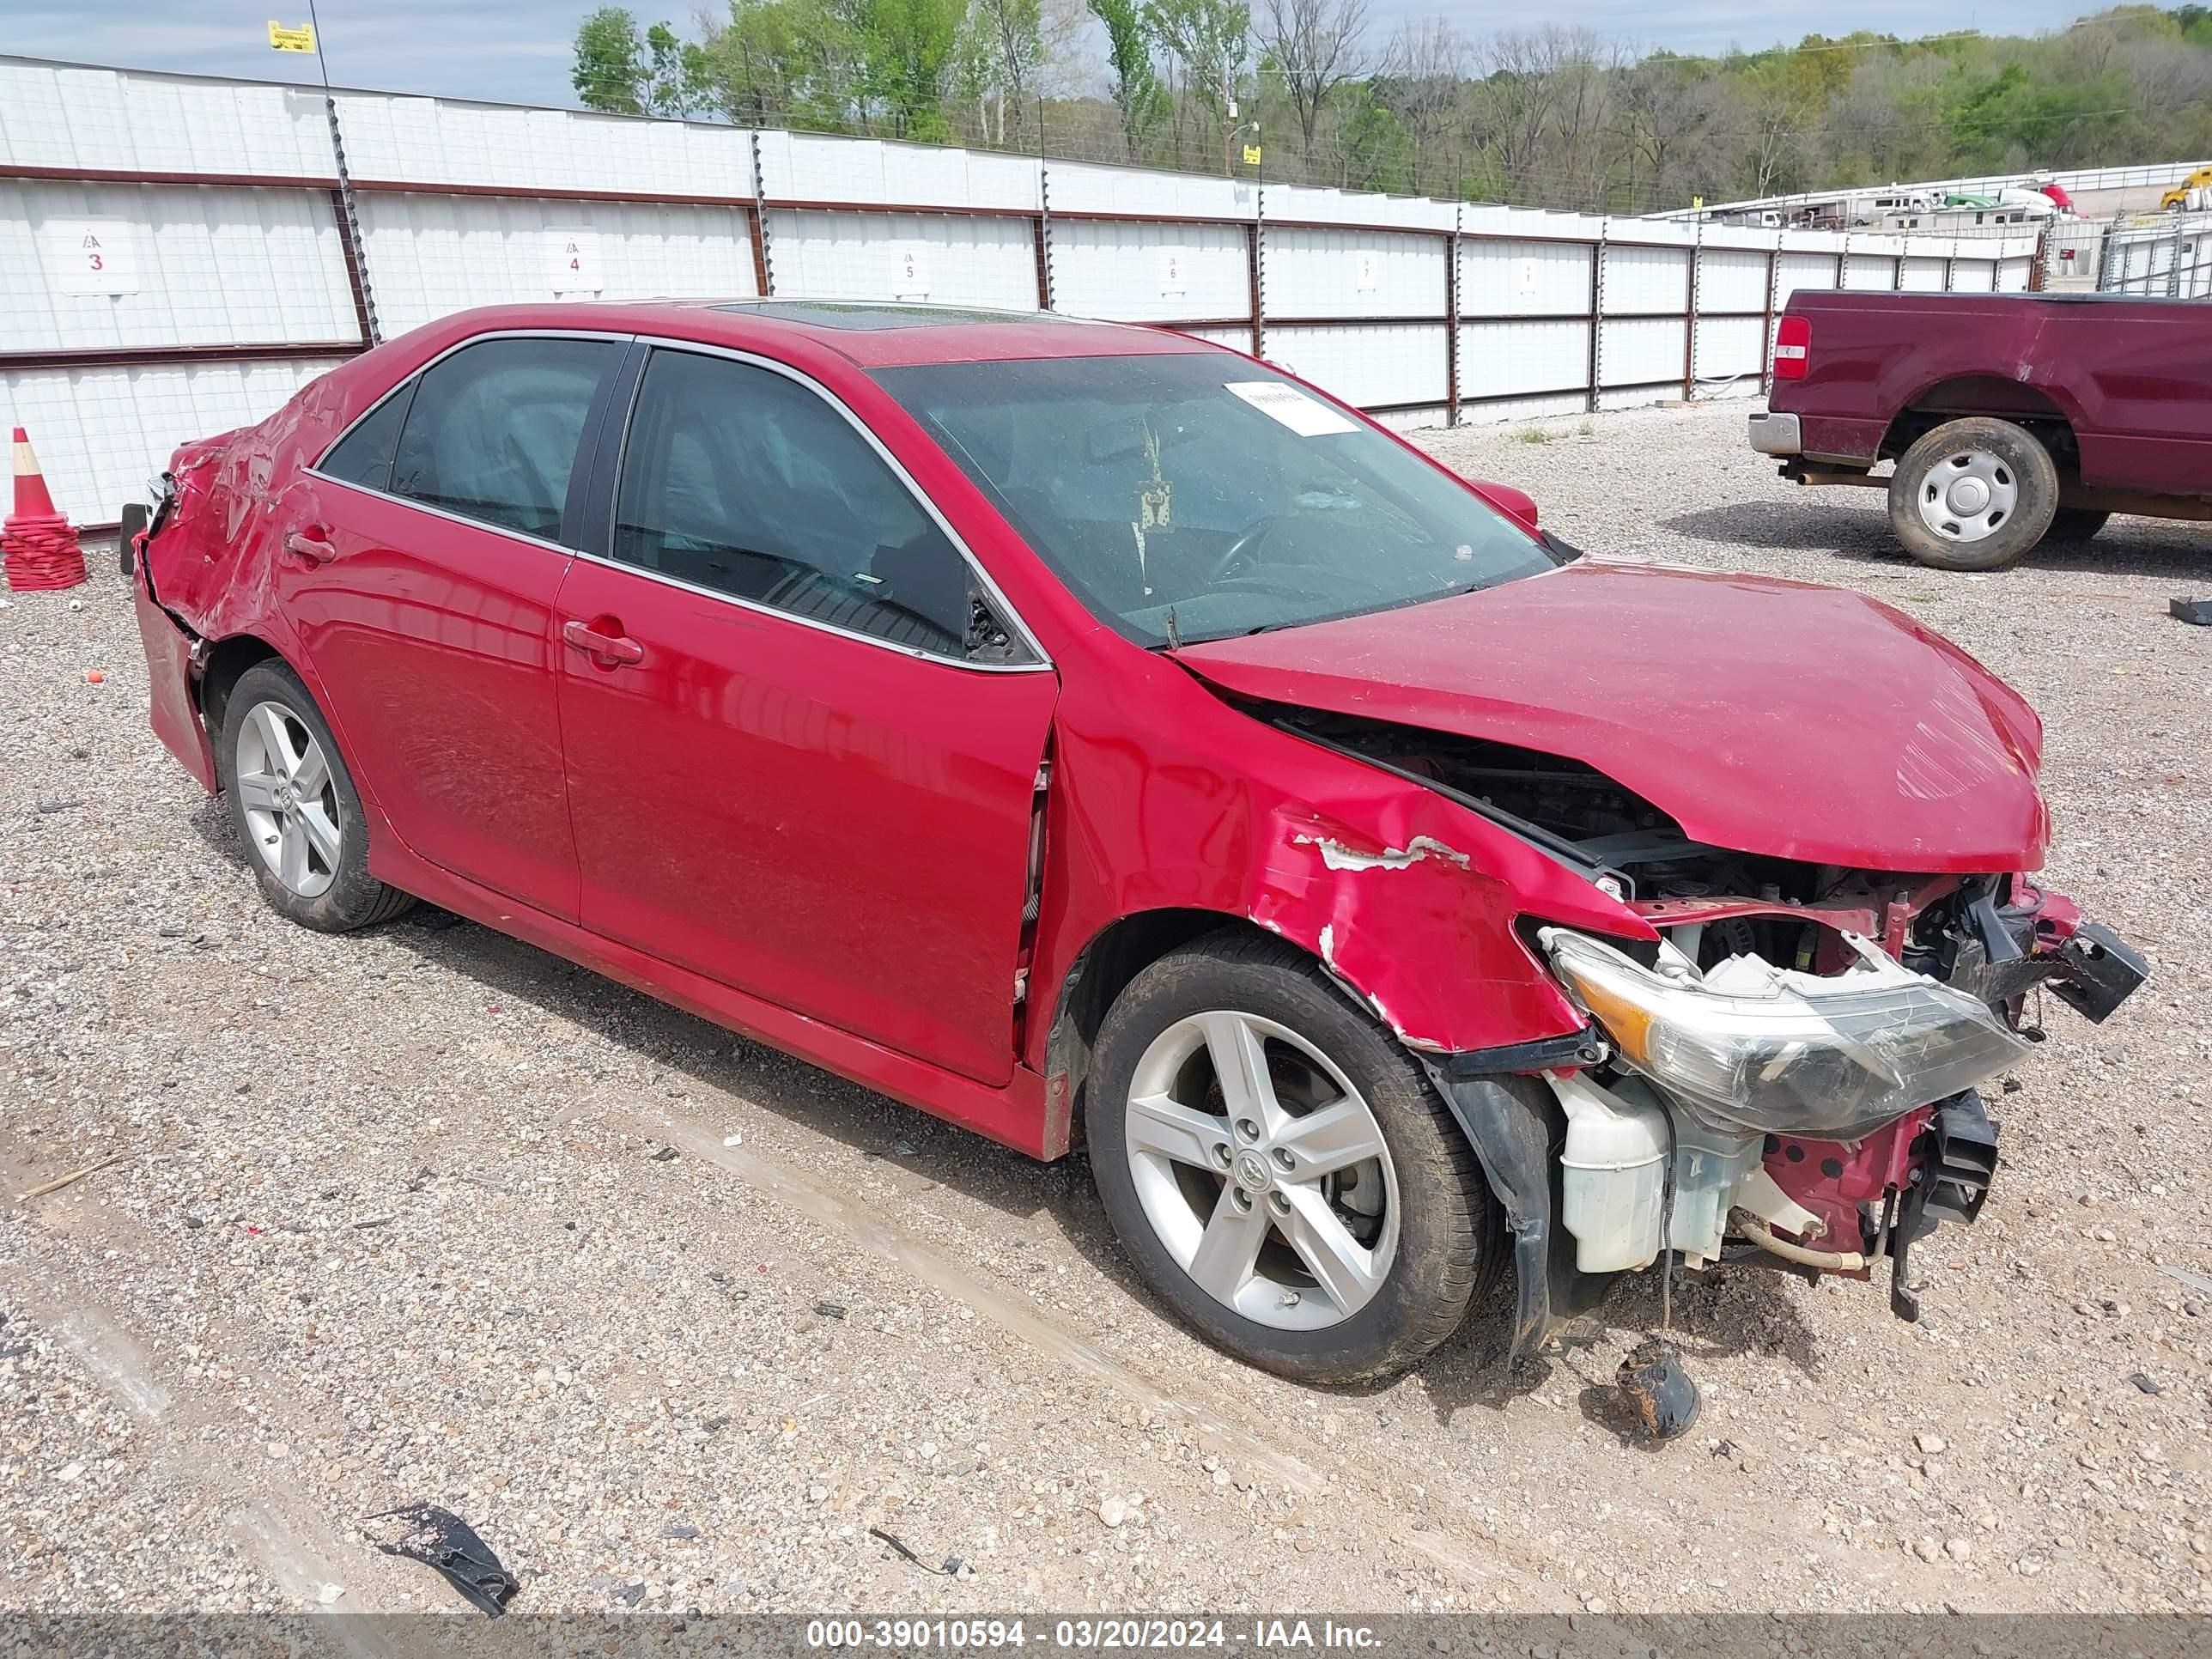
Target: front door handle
[602, 640]
[312, 545]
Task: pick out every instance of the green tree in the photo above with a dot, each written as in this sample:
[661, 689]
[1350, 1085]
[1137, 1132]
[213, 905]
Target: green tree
[610, 71]
[1209, 43]
[622, 73]
[1138, 98]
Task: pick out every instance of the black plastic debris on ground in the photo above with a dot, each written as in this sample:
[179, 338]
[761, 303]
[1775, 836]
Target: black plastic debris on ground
[2192, 611]
[439, 1539]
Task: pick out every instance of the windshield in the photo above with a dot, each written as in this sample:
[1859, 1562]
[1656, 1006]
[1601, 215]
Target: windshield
[1200, 496]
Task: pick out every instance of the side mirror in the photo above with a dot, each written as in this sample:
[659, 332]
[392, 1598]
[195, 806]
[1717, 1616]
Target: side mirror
[1515, 504]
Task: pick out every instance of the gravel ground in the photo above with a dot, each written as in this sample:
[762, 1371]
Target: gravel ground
[425, 1214]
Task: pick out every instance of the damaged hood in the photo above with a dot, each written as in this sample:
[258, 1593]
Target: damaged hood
[1762, 715]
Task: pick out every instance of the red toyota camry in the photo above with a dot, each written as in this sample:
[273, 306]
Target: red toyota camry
[1089, 734]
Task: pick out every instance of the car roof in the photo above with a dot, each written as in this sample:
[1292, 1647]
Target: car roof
[871, 334]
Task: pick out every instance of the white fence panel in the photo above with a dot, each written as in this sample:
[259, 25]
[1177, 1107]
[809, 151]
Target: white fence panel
[102, 433]
[431, 255]
[1795, 271]
[1367, 365]
[175, 266]
[1141, 193]
[1646, 279]
[905, 256]
[2012, 275]
[440, 140]
[1731, 279]
[1870, 271]
[111, 120]
[1355, 273]
[1524, 278]
[1150, 273]
[1522, 358]
[1643, 353]
[1728, 349]
[818, 168]
[1923, 276]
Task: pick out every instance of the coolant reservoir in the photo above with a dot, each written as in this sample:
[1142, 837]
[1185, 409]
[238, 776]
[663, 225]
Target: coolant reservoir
[1613, 1172]
[1710, 1165]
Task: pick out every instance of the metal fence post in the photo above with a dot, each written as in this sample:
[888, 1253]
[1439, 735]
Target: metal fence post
[763, 253]
[2174, 264]
[1690, 318]
[1451, 315]
[1258, 247]
[1043, 219]
[1766, 340]
[1597, 314]
[350, 227]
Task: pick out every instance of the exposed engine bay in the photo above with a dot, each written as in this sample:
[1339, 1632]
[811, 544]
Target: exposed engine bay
[1791, 1071]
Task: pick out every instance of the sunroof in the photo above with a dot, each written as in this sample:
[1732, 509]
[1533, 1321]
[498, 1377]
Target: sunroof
[830, 313]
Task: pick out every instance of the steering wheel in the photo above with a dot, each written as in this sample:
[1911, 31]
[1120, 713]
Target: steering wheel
[1238, 552]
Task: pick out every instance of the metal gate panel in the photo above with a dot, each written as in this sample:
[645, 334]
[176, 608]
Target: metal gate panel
[919, 257]
[1370, 365]
[1501, 277]
[204, 266]
[1522, 358]
[1355, 273]
[1150, 273]
[432, 255]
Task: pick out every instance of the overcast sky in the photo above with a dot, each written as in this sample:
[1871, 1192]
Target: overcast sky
[519, 51]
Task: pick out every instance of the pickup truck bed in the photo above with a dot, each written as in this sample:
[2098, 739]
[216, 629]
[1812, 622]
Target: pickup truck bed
[2113, 393]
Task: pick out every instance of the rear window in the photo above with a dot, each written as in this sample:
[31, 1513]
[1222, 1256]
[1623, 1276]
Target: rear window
[492, 431]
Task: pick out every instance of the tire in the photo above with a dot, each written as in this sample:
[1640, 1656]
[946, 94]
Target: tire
[2075, 524]
[301, 822]
[1990, 481]
[1417, 1214]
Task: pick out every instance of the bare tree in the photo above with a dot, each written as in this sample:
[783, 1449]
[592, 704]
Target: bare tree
[1423, 83]
[1315, 48]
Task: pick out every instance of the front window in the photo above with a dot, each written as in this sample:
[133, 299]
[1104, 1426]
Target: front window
[1197, 495]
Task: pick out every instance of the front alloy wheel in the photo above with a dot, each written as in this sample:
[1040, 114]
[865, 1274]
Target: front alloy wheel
[1279, 1168]
[1262, 1170]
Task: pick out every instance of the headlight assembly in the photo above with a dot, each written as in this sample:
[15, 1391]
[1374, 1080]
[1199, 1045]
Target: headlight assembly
[1785, 1053]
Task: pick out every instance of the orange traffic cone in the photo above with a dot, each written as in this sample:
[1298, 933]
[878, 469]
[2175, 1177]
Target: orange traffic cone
[37, 549]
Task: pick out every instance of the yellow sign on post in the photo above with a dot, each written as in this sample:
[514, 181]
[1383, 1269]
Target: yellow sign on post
[282, 38]
[1251, 155]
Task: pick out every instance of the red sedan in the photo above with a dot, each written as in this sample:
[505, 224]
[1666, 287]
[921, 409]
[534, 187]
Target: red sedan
[1089, 734]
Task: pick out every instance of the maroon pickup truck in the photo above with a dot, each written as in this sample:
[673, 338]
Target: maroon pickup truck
[2012, 417]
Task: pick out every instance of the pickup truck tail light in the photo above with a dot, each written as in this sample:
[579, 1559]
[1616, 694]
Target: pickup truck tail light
[1793, 346]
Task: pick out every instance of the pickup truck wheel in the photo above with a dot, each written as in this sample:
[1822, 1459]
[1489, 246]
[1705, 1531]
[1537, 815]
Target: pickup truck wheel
[295, 808]
[2075, 524]
[1279, 1168]
[1973, 495]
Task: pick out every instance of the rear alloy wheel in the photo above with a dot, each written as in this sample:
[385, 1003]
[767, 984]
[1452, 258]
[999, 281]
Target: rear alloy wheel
[1973, 495]
[295, 807]
[1280, 1168]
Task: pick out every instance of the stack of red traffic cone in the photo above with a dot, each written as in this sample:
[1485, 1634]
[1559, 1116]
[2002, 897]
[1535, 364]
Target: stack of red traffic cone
[37, 549]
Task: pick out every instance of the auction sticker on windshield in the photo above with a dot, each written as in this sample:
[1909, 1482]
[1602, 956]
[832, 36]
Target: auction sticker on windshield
[1286, 404]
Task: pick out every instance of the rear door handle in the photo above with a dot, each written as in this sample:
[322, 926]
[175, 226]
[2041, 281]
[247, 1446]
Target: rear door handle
[311, 548]
[608, 646]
